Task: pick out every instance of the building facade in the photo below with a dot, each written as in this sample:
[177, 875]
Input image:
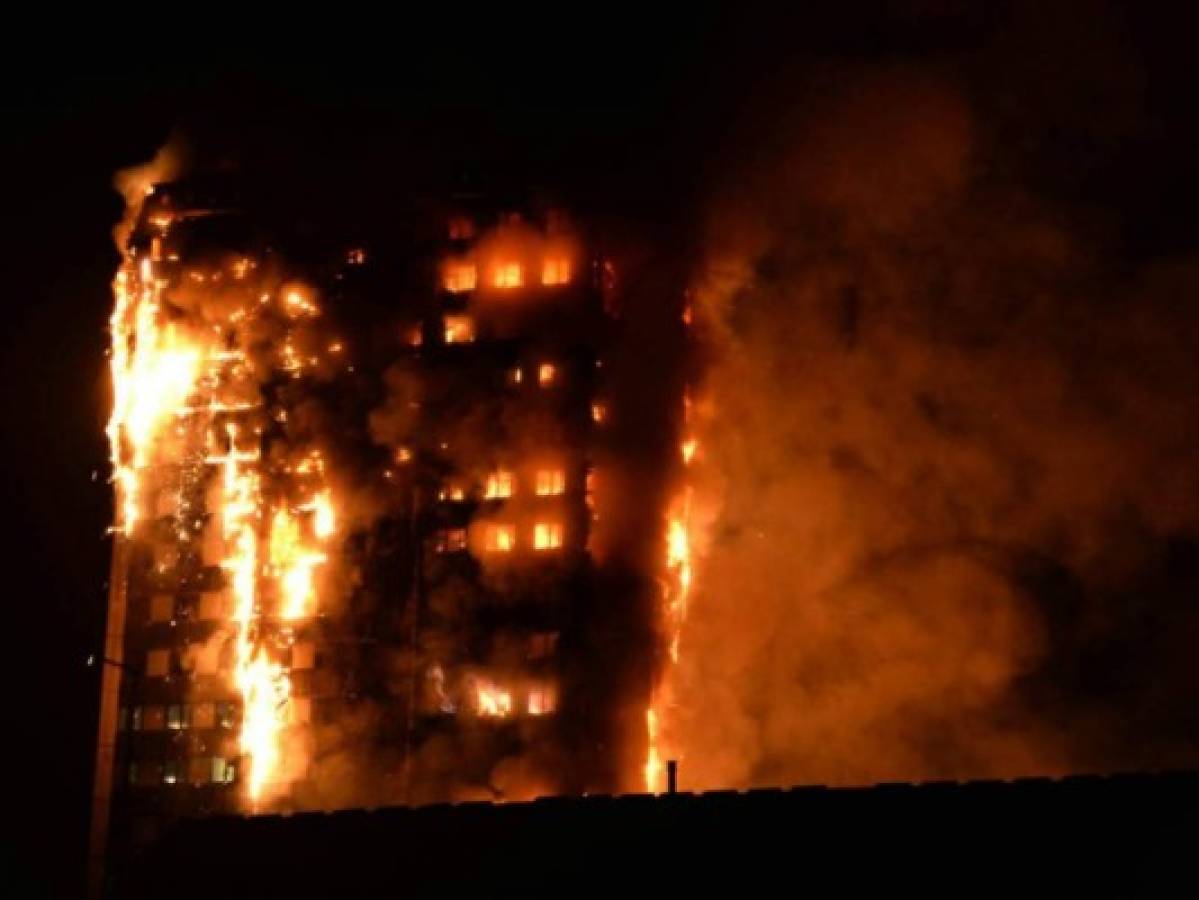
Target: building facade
[353, 553]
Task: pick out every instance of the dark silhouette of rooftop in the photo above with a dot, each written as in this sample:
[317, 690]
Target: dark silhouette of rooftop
[1121, 835]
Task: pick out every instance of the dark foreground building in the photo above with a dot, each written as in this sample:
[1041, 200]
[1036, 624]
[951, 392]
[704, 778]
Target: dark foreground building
[1123, 836]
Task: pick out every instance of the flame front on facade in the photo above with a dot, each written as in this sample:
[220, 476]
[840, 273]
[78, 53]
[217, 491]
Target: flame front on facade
[676, 584]
[189, 374]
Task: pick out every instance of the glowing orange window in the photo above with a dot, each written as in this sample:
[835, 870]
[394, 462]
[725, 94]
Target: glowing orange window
[508, 275]
[492, 700]
[450, 540]
[500, 484]
[555, 271]
[500, 538]
[546, 374]
[547, 536]
[460, 277]
[540, 700]
[550, 482]
[452, 492]
[459, 330]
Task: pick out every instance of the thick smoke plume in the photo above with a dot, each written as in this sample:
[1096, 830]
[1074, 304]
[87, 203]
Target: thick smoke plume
[949, 475]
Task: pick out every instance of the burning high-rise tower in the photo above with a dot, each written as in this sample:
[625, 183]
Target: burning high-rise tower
[356, 554]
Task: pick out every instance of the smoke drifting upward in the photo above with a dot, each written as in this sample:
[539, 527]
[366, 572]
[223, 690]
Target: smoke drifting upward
[949, 477]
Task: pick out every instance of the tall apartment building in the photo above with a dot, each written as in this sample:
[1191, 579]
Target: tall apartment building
[351, 574]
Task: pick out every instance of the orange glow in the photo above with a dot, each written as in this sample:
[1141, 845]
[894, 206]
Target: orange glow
[653, 761]
[540, 700]
[550, 482]
[297, 302]
[555, 271]
[499, 485]
[452, 492]
[459, 329]
[500, 538]
[492, 701]
[547, 536]
[676, 589]
[460, 277]
[507, 275]
[546, 374]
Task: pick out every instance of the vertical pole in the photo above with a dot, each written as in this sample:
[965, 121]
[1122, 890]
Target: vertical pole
[110, 700]
[672, 775]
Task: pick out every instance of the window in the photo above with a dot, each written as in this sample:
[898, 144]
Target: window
[461, 228]
[226, 715]
[555, 271]
[213, 605]
[460, 277]
[158, 663]
[540, 700]
[123, 718]
[301, 710]
[451, 492]
[459, 330]
[154, 718]
[546, 373]
[500, 538]
[134, 773]
[176, 717]
[207, 658]
[542, 644]
[203, 715]
[450, 540]
[162, 608]
[547, 536]
[303, 655]
[223, 771]
[507, 275]
[499, 485]
[515, 375]
[550, 482]
[599, 413]
[136, 719]
[170, 772]
[492, 700]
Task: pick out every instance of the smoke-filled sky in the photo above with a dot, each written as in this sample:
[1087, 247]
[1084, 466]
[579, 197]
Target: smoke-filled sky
[950, 475]
[943, 261]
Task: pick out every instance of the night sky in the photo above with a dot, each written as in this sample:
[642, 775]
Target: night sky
[631, 116]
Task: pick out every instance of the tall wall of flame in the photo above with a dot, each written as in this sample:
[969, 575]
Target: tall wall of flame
[214, 496]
